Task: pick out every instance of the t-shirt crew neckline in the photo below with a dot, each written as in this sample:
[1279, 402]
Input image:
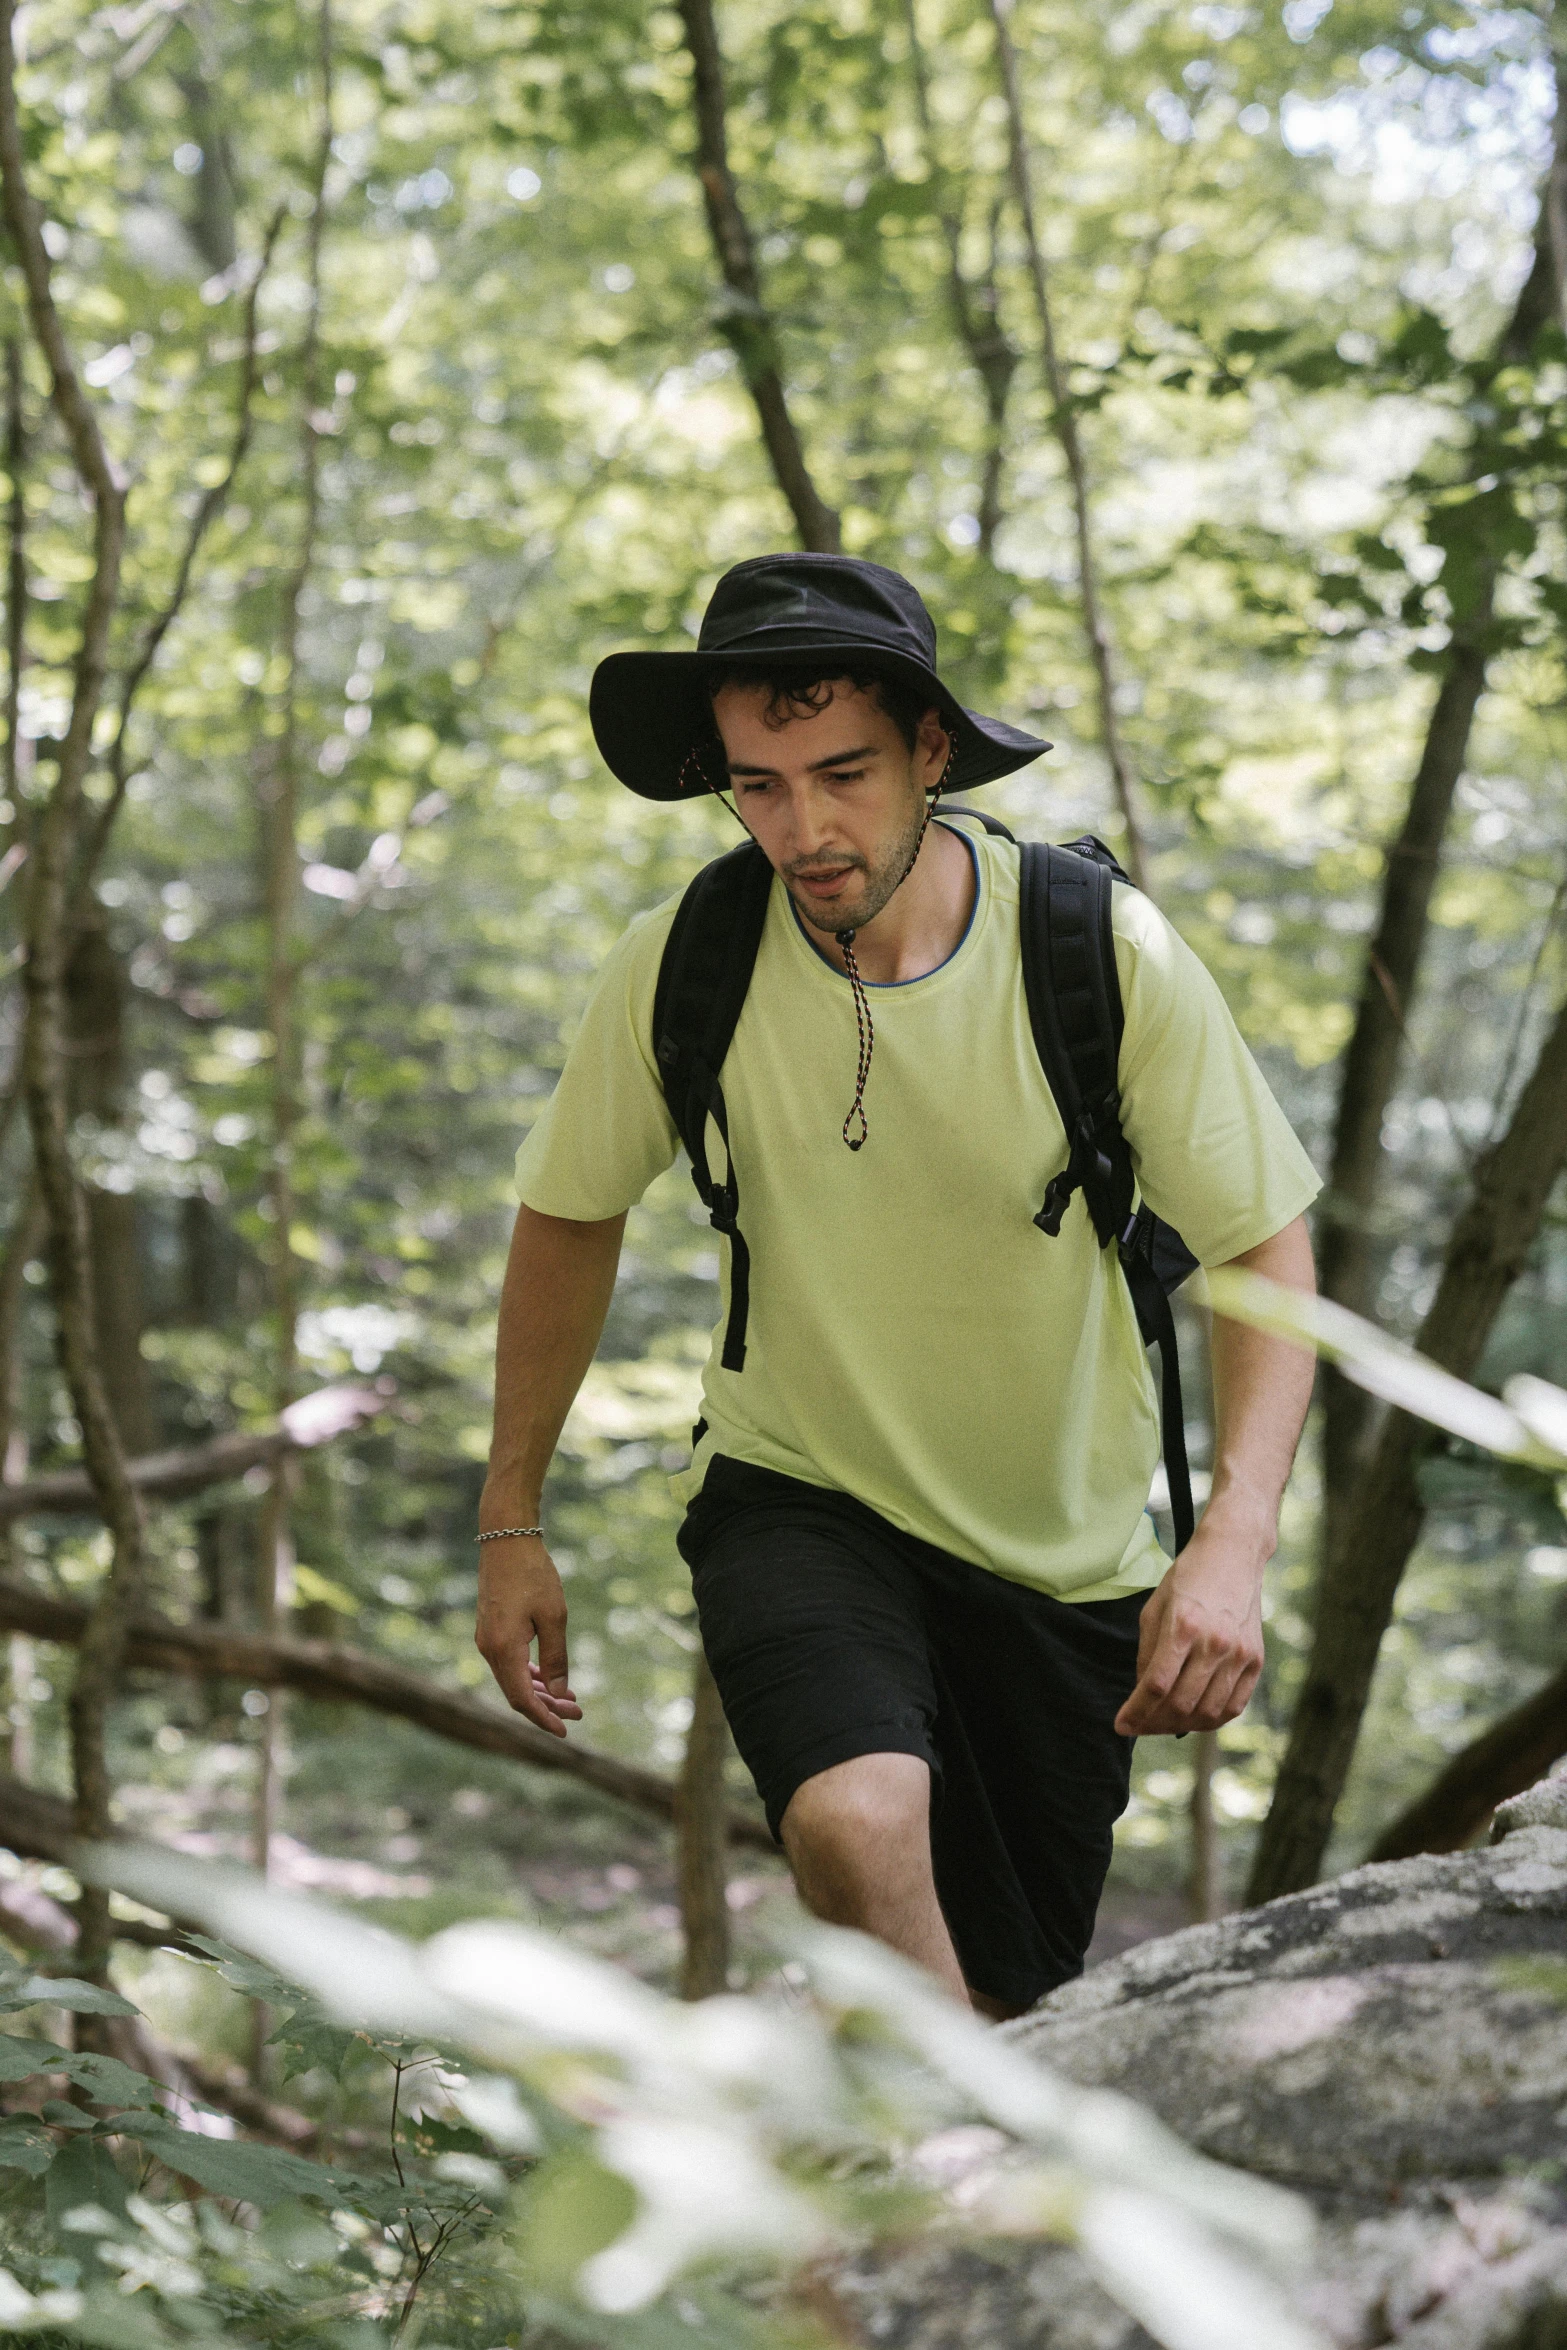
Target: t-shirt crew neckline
[890, 986]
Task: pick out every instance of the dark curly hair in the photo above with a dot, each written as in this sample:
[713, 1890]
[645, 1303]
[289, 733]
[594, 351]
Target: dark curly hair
[796, 692]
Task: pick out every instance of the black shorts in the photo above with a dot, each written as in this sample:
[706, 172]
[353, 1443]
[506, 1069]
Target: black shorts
[831, 1634]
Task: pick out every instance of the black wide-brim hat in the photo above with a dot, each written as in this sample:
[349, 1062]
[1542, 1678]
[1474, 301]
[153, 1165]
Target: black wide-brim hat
[651, 709]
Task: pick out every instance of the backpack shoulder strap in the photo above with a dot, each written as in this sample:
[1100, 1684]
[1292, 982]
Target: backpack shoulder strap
[702, 983]
[987, 823]
[1075, 1009]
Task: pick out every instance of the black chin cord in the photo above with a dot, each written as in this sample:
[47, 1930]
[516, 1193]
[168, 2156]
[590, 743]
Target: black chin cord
[867, 1033]
[862, 1006]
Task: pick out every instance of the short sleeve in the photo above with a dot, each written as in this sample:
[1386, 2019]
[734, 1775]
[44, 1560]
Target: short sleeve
[1215, 1155]
[606, 1132]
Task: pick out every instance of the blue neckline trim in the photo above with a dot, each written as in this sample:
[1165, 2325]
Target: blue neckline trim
[886, 986]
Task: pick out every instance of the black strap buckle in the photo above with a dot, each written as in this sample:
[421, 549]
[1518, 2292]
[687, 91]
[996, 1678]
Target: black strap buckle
[1058, 1198]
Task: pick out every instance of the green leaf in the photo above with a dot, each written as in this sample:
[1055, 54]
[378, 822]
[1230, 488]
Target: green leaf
[245, 2173]
[25, 2144]
[21, 2059]
[66, 1991]
[83, 2172]
[308, 2043]
[108, 2082]
[247, 1974]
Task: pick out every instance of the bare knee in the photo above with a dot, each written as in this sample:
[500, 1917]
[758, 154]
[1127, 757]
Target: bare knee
[856, 1828]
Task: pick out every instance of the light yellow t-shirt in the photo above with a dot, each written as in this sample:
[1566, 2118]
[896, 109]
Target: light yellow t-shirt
[914, 1339]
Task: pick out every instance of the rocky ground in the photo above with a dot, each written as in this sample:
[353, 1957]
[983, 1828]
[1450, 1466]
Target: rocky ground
[1392, 2045]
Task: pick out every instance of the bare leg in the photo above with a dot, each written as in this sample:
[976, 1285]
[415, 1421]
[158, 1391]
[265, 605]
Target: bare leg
[858, 1841]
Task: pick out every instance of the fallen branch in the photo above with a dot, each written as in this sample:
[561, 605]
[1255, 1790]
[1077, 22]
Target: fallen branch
[336, 1675]
[1502, 1761]
[315, 1419]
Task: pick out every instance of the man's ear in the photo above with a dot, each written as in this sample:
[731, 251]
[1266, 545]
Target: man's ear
[933, 746]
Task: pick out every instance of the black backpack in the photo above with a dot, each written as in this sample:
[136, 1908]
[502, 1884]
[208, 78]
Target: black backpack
[1075, 1011]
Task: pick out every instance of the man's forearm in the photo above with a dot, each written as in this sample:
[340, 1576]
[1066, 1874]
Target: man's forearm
[1261, 1389]
[1200, 1650]
[560, 1277]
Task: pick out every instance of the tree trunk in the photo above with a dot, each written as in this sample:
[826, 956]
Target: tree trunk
[43, 1053]
[701, 1823]
[1349, 1250]
[27, 1231]
[746, 321]
[95, 993]
[1063, 423]
[333, 1675]
[1205, 1879]
[1502, 1761]
[280, 896]
[1486, 1253]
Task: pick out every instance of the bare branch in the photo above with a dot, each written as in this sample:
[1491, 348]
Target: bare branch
[747, 323]
[976, 311]
[208, 509]
[1063, 423]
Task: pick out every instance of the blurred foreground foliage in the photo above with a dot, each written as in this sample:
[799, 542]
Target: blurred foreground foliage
[1281, 241]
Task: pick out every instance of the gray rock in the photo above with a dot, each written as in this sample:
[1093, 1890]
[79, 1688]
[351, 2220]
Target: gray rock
[1544, 1805]
[1392, 2045]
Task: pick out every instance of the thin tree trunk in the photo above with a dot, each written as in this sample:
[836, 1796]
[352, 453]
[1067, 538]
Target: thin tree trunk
[15, 571]
[746, 321]
[23, 1239]
[1502, 1761]
[1205, 1880]
[1487, 1251]
[204, 1651]
[1063, 423]
[976, 308]
[280, 893]
[1348, 1248]
[96, 986]
[43, 1057]
[701, 1824]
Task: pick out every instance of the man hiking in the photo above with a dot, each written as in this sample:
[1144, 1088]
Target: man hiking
[934, 1603]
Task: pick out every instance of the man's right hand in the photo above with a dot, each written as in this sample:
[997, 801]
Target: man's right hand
[520, 1602]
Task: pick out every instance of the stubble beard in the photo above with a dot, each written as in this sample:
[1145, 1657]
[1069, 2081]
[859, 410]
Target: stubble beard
[880, 881]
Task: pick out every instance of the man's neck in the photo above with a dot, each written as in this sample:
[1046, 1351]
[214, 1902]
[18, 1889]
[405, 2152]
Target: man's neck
[923, 922]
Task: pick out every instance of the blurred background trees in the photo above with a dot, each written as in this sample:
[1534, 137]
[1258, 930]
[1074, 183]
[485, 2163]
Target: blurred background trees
[438, 350]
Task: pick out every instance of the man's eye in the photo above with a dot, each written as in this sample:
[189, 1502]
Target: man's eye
[845, 775]
[750, 789]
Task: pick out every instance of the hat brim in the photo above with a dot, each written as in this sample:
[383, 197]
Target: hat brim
[650, 710]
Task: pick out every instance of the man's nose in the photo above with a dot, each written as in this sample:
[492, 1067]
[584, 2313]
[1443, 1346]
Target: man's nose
[810, 821]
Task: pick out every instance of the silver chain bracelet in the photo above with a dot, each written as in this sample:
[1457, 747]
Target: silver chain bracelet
[500, 1533]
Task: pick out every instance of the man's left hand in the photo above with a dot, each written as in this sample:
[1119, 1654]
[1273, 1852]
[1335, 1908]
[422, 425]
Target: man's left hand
[1200, 1648]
